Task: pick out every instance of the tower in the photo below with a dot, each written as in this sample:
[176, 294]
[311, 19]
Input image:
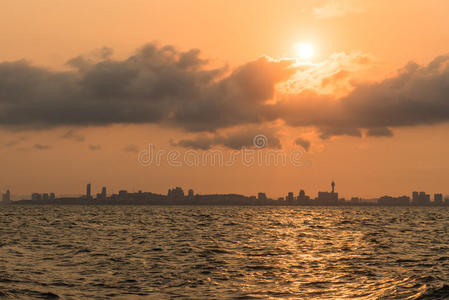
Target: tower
[333, 186]
[88, 193]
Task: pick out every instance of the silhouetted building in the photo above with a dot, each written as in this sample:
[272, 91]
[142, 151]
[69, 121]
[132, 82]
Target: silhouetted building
[415, 197]
[421, 199]
[45, 197]
[102, 195]
[262, 197]
[6, 197]
[191, 195]
[88, 191]
[303, 198]
[290, 198]
[176, 195]
[326, 197]
[396, 201]
[36, 197]
[52, 196]
[438, 199]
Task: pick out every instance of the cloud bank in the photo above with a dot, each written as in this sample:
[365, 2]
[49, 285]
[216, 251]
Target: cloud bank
[168, 87]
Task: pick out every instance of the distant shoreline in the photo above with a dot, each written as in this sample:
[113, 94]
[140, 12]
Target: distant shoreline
[99, 203]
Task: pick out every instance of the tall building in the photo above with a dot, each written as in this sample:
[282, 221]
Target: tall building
[421, 199]
[52, 196]
[176, 195]
[303, 198]
[290, 198]
[88, 191]
[191, 195]
[261, 197]
[103, 191]
[438, 199]
[415, 197]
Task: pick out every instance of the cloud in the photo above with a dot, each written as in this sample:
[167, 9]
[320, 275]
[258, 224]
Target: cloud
[41, 147]
[14, 142]
[131, 148]
[379, 132]
[73, 136]
[162, 85]
[243, 138]
[94, 147]
[337, 8]
[303, 143]
[417, 95]
[155, 85]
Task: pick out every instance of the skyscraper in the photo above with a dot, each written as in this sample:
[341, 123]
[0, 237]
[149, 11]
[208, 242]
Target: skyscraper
[88, 192]
[438, 199]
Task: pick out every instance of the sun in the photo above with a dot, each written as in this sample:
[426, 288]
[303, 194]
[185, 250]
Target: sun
[305, 51]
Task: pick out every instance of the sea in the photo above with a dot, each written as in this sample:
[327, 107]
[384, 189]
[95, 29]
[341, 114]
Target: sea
[228, 252]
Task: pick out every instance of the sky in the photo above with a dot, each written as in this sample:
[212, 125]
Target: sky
[90, 90]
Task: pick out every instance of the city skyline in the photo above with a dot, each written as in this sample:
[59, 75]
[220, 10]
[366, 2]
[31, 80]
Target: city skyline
[178, 196]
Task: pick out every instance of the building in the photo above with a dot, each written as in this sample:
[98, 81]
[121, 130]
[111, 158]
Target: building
[303, 198]
[176, 195]
[88, 191]
[36, 197]
[415, 197]
[290, 198]
[6, 197]
[394, 201]
[102, 195]
[191, 195]
[262, 197]
[438, 199]
[52, 196]
[420, 198]
[326, 197]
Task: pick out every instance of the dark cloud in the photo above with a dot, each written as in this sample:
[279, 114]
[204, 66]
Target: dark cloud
[156, 85]
[73, 136]
[94, 147]
[418, 95]
[165, 86]
[379, 132]
[245, 138]
[303, 143]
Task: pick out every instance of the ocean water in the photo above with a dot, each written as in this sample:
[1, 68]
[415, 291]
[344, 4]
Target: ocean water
[194, 252]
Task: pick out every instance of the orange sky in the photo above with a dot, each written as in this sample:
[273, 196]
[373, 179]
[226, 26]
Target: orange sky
[48, 33]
